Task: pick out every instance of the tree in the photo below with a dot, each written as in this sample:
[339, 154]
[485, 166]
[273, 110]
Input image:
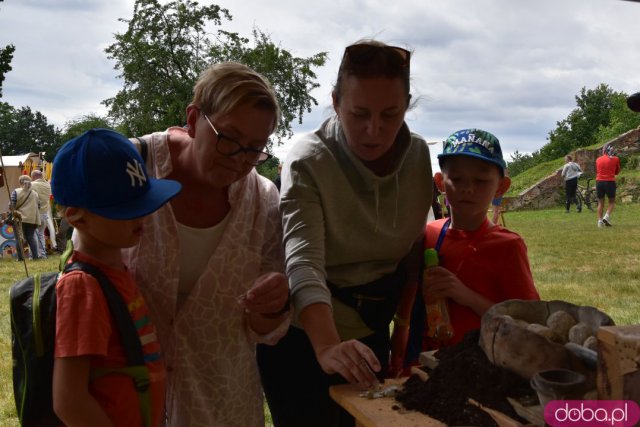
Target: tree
[269, 169]
[580, 128]
[167, 46]
[621, 120]
[23, 131]
[601, 115]
[76, 127]
[6, 55]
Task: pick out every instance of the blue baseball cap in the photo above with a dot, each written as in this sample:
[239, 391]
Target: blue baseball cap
[476, 143]
[102, 171]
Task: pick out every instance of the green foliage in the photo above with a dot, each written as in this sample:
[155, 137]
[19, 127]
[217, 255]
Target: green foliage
[76, 127]
[633, 162]
[291, 77]
[167, 46]
[23, 131]
[622, 119]
[269, 169]
[600, 116]
[524, 180]
[6, 55]
[580, 127]
[521, 162]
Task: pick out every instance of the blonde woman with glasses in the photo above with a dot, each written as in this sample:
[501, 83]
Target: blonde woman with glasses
[355, 197]
[210, 263]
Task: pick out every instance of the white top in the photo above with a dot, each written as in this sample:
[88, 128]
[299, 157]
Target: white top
[571, 170]
[202, 242]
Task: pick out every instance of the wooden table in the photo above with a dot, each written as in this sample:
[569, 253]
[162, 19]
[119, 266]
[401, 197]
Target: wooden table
[379, 412]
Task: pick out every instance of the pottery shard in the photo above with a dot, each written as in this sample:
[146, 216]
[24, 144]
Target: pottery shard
[544, 331]
[520, 350]
[508, 344]
[579, 333]
[591, 343]
[561, 322]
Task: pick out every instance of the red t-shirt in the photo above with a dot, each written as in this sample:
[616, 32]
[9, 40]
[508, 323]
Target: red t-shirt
[607, 168]
[84, 326]
[492, 261]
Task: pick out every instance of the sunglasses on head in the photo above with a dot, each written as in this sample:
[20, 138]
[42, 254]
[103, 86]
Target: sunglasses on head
[364, 54]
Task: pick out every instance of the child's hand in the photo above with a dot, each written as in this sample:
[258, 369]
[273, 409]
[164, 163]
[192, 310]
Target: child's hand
[441, 283]
[269, 295]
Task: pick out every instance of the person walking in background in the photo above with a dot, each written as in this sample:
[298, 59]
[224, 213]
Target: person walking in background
[571, 171]
[25, 202]
[355, 197]
[107, 215]
[43, 188]
[210, 264]
[607, 167]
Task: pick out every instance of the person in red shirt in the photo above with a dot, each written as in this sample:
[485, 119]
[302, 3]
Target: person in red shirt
[607, 167]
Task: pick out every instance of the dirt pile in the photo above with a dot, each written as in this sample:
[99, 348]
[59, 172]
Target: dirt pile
[464, 371]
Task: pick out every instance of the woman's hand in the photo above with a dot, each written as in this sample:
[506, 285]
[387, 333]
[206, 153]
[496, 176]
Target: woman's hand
[353, 360]
[268, 296]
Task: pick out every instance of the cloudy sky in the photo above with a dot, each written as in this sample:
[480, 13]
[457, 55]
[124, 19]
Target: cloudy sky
[512, 67]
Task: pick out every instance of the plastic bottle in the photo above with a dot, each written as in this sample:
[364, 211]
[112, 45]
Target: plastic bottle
[438, 321]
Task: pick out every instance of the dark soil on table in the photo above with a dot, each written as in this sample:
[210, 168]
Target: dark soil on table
[464, 371]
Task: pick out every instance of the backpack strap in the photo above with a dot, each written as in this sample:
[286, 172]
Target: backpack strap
[137, 369]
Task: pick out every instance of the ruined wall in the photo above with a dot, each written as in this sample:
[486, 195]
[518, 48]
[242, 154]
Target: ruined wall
[549, 191]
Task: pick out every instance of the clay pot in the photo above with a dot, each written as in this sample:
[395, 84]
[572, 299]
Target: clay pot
[508, 344]
[559, 384]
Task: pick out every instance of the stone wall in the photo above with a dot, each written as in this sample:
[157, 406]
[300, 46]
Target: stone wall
[549, 191]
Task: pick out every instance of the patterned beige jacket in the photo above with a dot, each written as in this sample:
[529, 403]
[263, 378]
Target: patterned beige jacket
[208, 347]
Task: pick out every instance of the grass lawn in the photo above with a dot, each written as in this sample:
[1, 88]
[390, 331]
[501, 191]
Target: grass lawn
[571, 260]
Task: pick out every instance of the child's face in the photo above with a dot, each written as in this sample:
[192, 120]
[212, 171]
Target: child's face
[113, 233]
[470, 185]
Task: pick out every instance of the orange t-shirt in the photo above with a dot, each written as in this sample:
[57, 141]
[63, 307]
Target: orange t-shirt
[84, 326]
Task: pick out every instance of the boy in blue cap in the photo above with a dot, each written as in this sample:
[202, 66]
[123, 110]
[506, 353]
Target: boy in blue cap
[100, 181]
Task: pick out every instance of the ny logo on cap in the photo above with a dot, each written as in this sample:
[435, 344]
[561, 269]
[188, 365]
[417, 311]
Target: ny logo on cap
[135, 171]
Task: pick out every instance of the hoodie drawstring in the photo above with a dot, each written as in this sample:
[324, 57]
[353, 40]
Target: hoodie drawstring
[395, 215]
[376, 194]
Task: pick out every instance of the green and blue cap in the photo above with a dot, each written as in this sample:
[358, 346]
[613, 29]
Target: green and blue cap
[476, 143]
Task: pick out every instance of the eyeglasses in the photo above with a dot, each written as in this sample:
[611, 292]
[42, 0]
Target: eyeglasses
[364, 54]
[230, 147]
